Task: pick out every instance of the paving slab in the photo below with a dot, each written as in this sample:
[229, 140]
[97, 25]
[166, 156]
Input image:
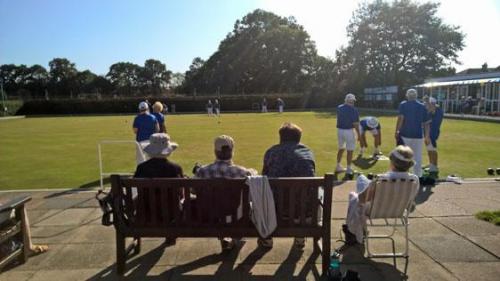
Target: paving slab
[426, 226]
[63, 202]
[153, 252]
[484, 271]
[339, 210]
[41, 261]
[90, 233]
[194, 249]
[64, 274]
[441, 207]
[451, 248]
[67, 217]
[12, 275]
[83, 256]
[470, 226]
[215, 272]
[282, 252]
[489, 242]
[54, 234]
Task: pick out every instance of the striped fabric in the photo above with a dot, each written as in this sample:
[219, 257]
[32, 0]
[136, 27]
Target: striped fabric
[393, 196]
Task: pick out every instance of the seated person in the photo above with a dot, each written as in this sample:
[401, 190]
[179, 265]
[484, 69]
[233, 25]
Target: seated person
[158, 166]
[289, 158]
[360, 201]
[31, 248]
[223, 167]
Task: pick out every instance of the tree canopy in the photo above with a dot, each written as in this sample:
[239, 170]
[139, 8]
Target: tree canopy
[398, 43]
[264, 53]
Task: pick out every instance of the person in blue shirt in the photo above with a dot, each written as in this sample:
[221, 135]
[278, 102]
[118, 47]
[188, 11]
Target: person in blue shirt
[347, 124]
[413, 126]
[436, 115]
[144, 126]
[370, 124]
[157, 112]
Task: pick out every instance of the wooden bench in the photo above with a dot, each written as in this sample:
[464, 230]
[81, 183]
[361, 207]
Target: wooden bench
[14, 230]
[149, 208]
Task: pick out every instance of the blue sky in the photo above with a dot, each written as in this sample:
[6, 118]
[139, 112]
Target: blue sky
[97, 33]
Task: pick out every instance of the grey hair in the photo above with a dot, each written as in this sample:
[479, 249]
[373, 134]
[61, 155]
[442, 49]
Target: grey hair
[411, 94]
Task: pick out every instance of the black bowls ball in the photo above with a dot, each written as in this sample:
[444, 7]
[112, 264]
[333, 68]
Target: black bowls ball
[491, 171]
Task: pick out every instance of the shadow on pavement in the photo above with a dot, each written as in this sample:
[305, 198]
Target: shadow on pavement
[139, 268]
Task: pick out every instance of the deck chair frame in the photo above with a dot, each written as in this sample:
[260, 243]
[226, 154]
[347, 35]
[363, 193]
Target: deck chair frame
[396, 218]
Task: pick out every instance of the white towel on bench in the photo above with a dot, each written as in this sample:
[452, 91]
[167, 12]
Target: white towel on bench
[263, 210]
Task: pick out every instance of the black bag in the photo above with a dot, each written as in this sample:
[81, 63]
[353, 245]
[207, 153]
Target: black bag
[106, 203]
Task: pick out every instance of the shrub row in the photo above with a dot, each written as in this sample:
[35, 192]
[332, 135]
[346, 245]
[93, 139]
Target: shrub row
[11, 107]
[129, 105]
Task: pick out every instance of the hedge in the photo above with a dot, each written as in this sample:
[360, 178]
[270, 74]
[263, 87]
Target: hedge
[129, 105]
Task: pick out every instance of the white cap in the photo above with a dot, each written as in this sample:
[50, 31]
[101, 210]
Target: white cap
[372, 122]
[350, 97]
[143, 106]
[432, 100]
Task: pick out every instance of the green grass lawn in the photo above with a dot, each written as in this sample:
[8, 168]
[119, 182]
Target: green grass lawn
[61, 152]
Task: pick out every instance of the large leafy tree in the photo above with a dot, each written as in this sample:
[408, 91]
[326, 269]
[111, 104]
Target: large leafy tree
[125, 77]
[400, 42]
[264, 53]
[154, 77]
[63, 75]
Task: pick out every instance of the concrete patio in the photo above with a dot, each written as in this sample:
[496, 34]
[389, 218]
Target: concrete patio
[447, 243]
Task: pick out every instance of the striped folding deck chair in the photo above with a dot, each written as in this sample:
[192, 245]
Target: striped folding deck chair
[393, 198]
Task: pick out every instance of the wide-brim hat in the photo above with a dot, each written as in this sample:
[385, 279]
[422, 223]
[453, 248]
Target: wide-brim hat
[160, 145]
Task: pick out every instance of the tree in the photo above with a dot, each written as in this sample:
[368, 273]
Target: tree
[264, 53]
[85, 82]
[400, 42]
[176, 81]
[63, 77]
[124, 76]
[484, 67]
[154, 77]
[36, 80]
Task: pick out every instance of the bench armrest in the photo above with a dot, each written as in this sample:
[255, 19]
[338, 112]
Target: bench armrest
[14, 203]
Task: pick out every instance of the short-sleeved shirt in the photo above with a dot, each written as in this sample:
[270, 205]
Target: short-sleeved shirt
[158, 168]
[223, 169]
[229, 198]
[364, 125]
[160, 118]
[347, 115]
[145, 125]
[415, 115]
[436, 120]
[289, 159]
[209, 105]
[217, 105]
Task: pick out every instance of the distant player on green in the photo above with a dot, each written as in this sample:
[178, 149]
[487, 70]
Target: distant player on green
[210, 108]
[145, 124]
[436, 114]
[370, 124]
[347, 131]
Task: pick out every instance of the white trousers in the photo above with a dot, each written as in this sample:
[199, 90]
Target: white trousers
[415, 145]
[280, 108]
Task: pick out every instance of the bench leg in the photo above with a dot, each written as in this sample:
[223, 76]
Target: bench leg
[121, 254]
[137, 249]
[325, 254]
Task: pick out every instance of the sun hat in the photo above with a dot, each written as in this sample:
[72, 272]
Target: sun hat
[160, 145]
[143, 106]
[350, 97]
[222, 141]
[372, 122]
[432, 100]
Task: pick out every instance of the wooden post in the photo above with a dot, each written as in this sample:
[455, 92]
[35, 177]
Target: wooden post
[327, 214]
